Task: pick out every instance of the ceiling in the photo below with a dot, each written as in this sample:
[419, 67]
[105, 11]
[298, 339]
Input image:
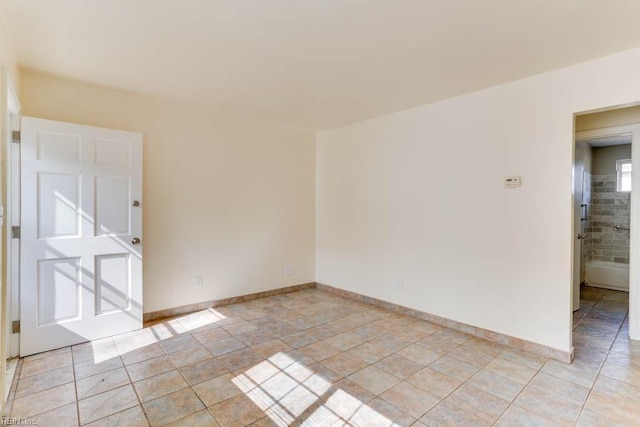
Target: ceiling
[608, 141]
[312, 64]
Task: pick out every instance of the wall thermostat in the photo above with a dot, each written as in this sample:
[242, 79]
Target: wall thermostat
[512, 182]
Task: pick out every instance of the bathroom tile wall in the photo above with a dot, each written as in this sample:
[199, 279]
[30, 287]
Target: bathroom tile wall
[609, 208]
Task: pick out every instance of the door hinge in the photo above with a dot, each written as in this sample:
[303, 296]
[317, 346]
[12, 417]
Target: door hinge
[15, 327]
[15, 231]
[15, 136]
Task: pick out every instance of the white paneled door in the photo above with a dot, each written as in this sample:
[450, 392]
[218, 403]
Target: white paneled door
[81, 234]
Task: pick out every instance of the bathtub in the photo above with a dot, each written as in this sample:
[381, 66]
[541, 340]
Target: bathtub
[605, 274]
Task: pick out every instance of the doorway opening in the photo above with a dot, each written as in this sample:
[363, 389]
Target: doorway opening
[605, 282]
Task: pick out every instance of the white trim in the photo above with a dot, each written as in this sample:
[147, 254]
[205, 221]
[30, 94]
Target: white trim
[634, 240]
[604, 132]
[12, 214]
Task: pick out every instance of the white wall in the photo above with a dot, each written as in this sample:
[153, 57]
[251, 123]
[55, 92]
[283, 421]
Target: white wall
[584, 154]
[228, 199]
[605, 158]
[418, 196]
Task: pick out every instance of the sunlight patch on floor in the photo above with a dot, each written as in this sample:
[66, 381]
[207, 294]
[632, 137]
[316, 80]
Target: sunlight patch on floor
[200, 319]
[286, 390]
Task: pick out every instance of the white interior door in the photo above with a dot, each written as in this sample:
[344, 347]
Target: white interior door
[80, 260]
[578, 172]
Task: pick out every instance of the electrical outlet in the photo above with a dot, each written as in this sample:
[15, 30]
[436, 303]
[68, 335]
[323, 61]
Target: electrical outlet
[198, 281]
[288, 271]
[400, 285]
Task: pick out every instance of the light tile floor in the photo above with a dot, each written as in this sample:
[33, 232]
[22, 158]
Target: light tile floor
[313, 358]
[10, 371]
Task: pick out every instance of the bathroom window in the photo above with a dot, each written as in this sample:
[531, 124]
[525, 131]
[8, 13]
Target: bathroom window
[623, 168]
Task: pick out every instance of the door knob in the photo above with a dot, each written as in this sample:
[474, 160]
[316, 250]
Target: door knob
[135, 204]
[135, 241]
[582, 236]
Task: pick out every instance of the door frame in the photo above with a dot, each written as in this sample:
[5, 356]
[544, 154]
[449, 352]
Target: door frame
[11, 215]
[634, 220]
[578, 192]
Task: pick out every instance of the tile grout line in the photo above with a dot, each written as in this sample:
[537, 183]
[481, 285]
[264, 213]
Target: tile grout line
[49, 388]
[582, 407]
[583, 317]
[448, 353]
[206, 408]
[144, 411]
[409, 342]
[14, 390]
[167, 355]
[459, 345]
[75, 384]
[367, 341]
[442, 373]
[105, 391]
[466, 382]
[513, 402]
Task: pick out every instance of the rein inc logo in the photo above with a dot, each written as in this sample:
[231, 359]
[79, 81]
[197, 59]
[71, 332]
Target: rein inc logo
[16, 421]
